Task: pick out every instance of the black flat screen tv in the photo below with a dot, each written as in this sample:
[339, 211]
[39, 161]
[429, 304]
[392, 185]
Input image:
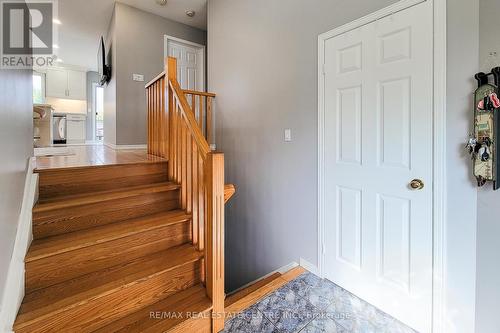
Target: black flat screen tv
[104, 68]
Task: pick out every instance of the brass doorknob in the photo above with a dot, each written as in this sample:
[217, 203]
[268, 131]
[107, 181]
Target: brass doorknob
[417, 184]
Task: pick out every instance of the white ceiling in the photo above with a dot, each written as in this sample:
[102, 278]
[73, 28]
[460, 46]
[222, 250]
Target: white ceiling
[84, 21]
[175, 10]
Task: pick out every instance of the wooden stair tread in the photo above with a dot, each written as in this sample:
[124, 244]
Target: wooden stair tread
[87, 199]
[192, 300]
[53, 245]
[59, 297]
[42, 167]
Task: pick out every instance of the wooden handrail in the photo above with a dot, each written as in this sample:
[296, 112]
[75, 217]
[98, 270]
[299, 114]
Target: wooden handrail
[229, 191]
[176, 132]
[199, 93]
[202, 143]
[202, 104]
[159, 76]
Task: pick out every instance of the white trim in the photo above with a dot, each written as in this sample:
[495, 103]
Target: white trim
[93, 110]
[180, 40]
[202, 49]
[310, 267]
[280, 270]
[378, 15]
[439, 146]
[125, 147]
[439, 181]
[14, 287]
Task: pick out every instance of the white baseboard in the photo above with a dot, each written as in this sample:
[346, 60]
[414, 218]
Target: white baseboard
[14, 287]
[310, 267]
[284, 269]
[280, 270]
[125, 147]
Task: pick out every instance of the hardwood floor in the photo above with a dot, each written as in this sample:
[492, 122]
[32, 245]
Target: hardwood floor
[93, 155]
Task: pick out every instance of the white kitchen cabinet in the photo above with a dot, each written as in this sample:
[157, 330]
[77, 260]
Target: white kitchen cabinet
[56, 84]
[66, 83]
[77, 85]
[75, 129]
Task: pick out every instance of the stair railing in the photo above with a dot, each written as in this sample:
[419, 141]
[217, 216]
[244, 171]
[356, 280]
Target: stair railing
[202, 105]
[175, 133]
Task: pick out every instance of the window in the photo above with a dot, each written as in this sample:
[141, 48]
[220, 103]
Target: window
[38, 88]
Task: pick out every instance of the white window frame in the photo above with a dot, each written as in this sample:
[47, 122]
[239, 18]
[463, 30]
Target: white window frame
[42, 76]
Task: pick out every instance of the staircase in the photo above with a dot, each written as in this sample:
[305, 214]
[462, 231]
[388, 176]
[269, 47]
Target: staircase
[133, 247]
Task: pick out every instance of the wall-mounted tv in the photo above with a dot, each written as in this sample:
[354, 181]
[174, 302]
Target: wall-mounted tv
[104, 68]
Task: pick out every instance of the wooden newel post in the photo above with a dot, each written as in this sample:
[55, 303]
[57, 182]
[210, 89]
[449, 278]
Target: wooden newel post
[214, 250]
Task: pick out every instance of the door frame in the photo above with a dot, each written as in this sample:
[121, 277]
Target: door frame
[439, 144]
[201, 51]
[93, 107]
[95, 86]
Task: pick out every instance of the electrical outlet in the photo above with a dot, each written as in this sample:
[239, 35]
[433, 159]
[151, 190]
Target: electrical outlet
[138, 77]
[288, 135]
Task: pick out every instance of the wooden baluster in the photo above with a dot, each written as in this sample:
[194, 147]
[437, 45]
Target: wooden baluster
[158, 125]
[158, 118]
[202, 114]
[176, 160]
[163, 119]
[196, 203]
[170, 130]
[183, 165]
[152, 119]
[193, 105]
[148, 97]
[174, 144]
[179, 133]
[209, 119]
[157, 121]
[201, 204]
[214, 253]
[189, 173]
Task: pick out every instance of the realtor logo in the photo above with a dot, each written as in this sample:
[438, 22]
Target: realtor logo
[27, 33]
[27, 28]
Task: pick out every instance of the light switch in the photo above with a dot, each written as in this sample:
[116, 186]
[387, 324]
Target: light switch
[288, 135]
[138, 77]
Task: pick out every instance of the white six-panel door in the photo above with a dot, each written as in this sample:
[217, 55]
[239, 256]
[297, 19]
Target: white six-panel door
[190, 64]
[378, 103]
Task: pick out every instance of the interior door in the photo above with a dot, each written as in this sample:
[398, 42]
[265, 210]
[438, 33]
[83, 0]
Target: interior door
[378, 155]
[190, 68]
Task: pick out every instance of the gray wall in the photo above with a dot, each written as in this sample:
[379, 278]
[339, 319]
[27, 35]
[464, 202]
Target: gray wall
[140, 49]
[16, 146]
[92, 77]
[463, 58]
[488, 37]
[109, 98]
[263, 65]
[488, 210]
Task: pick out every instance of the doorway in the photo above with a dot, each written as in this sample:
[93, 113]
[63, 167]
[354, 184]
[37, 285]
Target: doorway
[377, 160]
[190, 62]
[97, 113]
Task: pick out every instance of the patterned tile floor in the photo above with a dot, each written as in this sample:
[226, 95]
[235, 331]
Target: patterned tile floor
[309, 304]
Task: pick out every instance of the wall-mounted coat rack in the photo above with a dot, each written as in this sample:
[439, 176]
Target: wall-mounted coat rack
[482, 144]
